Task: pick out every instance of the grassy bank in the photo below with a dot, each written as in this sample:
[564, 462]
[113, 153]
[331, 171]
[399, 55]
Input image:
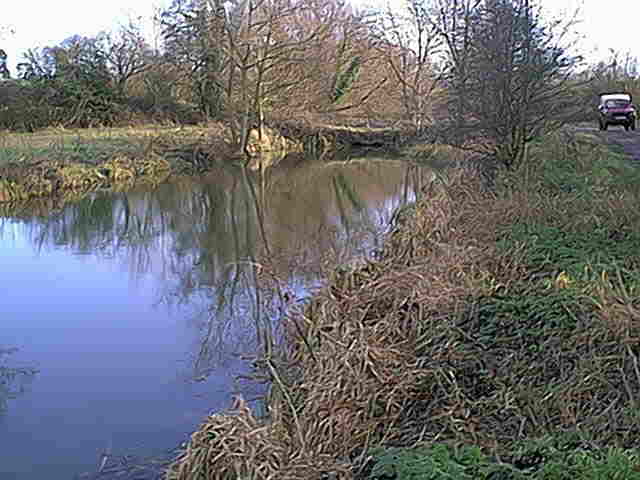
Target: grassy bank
[496, 335]
[90, 145]
[64, 164]
[67, 164]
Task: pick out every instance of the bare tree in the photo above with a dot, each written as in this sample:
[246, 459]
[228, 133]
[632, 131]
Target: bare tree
[455, 25]
[126, 53]
[268, 41]
[250, 54]
[619, 68]
[510, 74]
[346, 70]
[193, 33]
[4, 70]
[411, 43]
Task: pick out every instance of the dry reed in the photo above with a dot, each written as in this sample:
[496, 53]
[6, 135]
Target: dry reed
[451, 334]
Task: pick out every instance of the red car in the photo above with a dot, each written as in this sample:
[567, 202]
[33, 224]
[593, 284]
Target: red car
[615, 108]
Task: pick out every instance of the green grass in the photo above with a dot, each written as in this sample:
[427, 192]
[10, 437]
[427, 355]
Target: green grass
[550, 458]
[584, 254]
[584, 224]
[573, 226]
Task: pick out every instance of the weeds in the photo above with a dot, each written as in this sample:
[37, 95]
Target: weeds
[495, 322]
[550, 458]
[428, 463]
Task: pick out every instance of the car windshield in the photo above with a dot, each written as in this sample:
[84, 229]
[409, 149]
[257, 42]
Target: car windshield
[617, 103]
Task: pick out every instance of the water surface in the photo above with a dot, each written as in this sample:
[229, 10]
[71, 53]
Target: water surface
[137, 308]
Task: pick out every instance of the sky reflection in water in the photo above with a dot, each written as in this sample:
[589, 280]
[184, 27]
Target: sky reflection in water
[134, 307]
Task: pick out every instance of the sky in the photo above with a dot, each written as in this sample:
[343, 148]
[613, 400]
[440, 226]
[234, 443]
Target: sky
[40, 23]
[604, 24]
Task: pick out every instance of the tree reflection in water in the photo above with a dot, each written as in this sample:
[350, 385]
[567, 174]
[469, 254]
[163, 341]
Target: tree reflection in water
[13, 379]
[235, 249]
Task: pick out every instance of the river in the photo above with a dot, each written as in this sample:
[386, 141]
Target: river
[126, 317]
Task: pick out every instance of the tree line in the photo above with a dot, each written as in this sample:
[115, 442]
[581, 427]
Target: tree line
[486, 74]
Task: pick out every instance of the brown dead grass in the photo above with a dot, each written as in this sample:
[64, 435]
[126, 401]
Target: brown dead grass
[353, 375]
[449, 336]
[24, 181]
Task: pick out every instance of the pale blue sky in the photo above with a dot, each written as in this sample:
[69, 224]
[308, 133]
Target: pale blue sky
[39, 23]
[606, 24]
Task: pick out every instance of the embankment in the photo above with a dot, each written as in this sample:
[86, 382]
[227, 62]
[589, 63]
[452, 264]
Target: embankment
[496, 335]
[69, 164]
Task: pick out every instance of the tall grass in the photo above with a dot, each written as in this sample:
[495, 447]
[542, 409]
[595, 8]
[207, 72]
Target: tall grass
[489, 321]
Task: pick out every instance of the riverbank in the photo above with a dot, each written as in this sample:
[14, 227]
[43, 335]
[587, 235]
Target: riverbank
[67, 164]
[496, 335]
